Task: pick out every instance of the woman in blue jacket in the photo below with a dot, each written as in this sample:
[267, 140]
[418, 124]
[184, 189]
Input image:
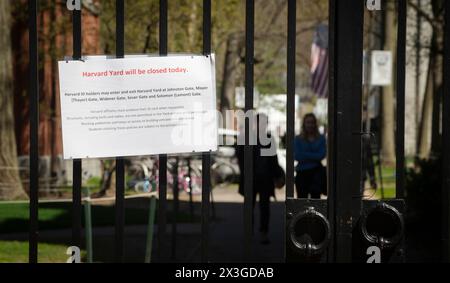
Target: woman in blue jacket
[310, 150]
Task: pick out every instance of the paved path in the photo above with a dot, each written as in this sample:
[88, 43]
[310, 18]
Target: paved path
[227, 231]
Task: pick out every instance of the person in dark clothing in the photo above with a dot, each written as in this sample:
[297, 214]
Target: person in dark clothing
[265, 171]
[368, 166]
[310, 150]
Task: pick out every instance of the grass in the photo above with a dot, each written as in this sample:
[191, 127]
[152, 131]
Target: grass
[17, 252]
[389, 177]
[389, 193]
[14, 217]
[93, 182]
[388, 174]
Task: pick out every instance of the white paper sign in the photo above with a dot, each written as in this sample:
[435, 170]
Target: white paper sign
[381, 71]
[138, 106]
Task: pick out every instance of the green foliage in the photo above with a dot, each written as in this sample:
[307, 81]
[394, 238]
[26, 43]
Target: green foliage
[141, 26]
[228, 19]
[272, 85]
[93, 182]
[185, 26]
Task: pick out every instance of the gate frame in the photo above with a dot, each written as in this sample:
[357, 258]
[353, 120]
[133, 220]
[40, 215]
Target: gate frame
[341, 163]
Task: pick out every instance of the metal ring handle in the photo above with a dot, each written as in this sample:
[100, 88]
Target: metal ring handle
[383, 242]
[310, 249]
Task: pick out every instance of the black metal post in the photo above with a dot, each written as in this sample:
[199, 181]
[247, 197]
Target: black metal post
[331, 138]
[290, 103]
[162, 203]
[347, 73]
[120, 164]
[176, 202]
[446, 141]
[400, 133]
[191, 200]
[291, 64]
[206, 157]
[34, 131]
[77, 163]
[248, 151]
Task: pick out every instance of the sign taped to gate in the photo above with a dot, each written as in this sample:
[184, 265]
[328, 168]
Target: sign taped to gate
[138, 105]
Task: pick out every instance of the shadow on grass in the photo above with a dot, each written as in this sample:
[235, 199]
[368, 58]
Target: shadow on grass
[57, 218]
[14, 218]
[225, 239]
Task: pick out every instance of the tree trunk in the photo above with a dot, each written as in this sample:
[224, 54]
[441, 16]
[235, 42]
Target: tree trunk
[436, 119]
[108, 181]
[231, 65]
[429, 143]
[427, 110]
[388, 117]
[192, 25]
[55, 42]
[10, 184]
[437, 52]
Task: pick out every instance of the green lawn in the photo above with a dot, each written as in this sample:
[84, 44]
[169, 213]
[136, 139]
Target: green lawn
[14, 217]
[389, 193]
[388, 174]
[17, 252]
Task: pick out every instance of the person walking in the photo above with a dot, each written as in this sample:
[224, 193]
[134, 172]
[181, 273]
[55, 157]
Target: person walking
[310, 150]
[266, 172]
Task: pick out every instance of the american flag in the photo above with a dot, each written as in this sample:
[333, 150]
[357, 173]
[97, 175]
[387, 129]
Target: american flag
[319, 62]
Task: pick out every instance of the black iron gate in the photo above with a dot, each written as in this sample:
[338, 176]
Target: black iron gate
[344, 211]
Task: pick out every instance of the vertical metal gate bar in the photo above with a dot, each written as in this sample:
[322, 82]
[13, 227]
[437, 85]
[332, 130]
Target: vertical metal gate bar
[248, 151]
[77, 163]
[400, 133]
[349, 16]
[120, 164]
[206, 157]
[34, 128]
[331, 138]
[206, 189]
[446, 140]
[290, 102]
[176, 192]
[291, 55]
[162, 203]
[191, 197]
